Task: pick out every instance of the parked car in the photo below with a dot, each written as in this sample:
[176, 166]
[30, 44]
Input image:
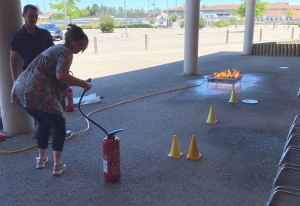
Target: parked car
[55, 31]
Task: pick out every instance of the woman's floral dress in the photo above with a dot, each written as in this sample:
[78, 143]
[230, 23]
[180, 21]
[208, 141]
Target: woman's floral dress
[37, 87]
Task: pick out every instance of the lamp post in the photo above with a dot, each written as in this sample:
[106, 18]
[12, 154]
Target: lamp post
[277, 18]
[65, 11]
[51, 10]
[125, 18]
[148, 8]
[44, 10]
[154, 12]
[167, 9]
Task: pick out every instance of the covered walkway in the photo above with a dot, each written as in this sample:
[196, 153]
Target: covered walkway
[240, 152]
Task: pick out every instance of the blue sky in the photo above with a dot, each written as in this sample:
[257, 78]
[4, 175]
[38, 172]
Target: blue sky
[135, 4]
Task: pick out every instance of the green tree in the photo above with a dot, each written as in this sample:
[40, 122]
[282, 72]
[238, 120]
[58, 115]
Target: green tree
[233, 20]
[174, 17]
[261, 7]
[102, 10]
[142, 12]
[151, 21]
[111, 11]
[157, 11]
[289, 13]
[71, 9]
[40, 12]
[121, 11]
[202, 23]
[181, 24]
[107, 24]
[94, 10]
[138, 13]
[88, 9]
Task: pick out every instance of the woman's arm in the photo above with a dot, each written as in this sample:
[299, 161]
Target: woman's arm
[73, 81]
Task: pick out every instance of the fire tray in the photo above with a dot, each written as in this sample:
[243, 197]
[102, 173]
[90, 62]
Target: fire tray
[232, 81]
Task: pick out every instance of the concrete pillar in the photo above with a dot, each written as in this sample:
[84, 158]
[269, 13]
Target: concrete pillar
[15, 119]
[249, 26]
[191, 37]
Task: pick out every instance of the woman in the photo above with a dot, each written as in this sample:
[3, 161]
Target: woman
[41, 91]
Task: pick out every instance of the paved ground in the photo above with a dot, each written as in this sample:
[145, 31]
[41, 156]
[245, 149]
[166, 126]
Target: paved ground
[239, 153]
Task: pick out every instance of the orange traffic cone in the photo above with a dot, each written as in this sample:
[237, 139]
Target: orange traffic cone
[175, 149]
[233, 97]
[211, 116]
[193, 151]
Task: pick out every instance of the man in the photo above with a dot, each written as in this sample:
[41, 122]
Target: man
[28, 42]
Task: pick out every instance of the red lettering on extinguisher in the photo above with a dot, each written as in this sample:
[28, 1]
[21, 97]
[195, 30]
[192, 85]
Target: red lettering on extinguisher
[113, 160]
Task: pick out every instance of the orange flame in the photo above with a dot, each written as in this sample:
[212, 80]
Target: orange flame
[227, 74]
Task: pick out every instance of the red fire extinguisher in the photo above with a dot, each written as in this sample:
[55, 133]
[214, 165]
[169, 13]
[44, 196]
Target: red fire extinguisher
[2, 137]
[111, 157]
[111, 150]
[69, 99]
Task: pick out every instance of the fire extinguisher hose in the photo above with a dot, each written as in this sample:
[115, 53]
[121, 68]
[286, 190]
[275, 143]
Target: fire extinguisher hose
[104, 108]
[79, 107]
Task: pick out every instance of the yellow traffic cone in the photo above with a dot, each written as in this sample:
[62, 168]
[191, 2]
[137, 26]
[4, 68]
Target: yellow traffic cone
[193, 151]
[233, 97]
[175, 149]
[211, 116]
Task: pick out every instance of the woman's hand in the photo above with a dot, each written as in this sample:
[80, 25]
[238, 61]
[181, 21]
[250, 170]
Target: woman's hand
[74, 81]
[88, 85]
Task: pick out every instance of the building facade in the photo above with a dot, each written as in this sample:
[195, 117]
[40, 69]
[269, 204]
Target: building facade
[275, 12]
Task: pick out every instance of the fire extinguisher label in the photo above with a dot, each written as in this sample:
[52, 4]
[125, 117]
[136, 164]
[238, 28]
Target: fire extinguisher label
[113, 159]
[105, 166]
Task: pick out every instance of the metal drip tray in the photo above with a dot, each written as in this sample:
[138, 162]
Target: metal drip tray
[232, 81]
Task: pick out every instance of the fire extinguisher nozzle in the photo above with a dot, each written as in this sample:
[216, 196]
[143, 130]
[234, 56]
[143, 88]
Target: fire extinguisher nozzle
[111, 135]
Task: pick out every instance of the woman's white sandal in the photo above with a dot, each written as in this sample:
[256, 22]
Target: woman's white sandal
[43, 164]
[62, 167]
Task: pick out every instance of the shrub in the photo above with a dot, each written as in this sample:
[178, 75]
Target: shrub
[107, 24]
[182, 24]
[62, 26]
[134, 26]
[221, 23]
[151, 21]
[233, 20]
[87, 26]
[202, 23]
[174, 17]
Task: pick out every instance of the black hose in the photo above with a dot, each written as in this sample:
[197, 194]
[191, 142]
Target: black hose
[87, 116]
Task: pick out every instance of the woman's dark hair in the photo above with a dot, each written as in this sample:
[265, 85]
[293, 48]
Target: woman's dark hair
[76, 33]
[29, 6]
